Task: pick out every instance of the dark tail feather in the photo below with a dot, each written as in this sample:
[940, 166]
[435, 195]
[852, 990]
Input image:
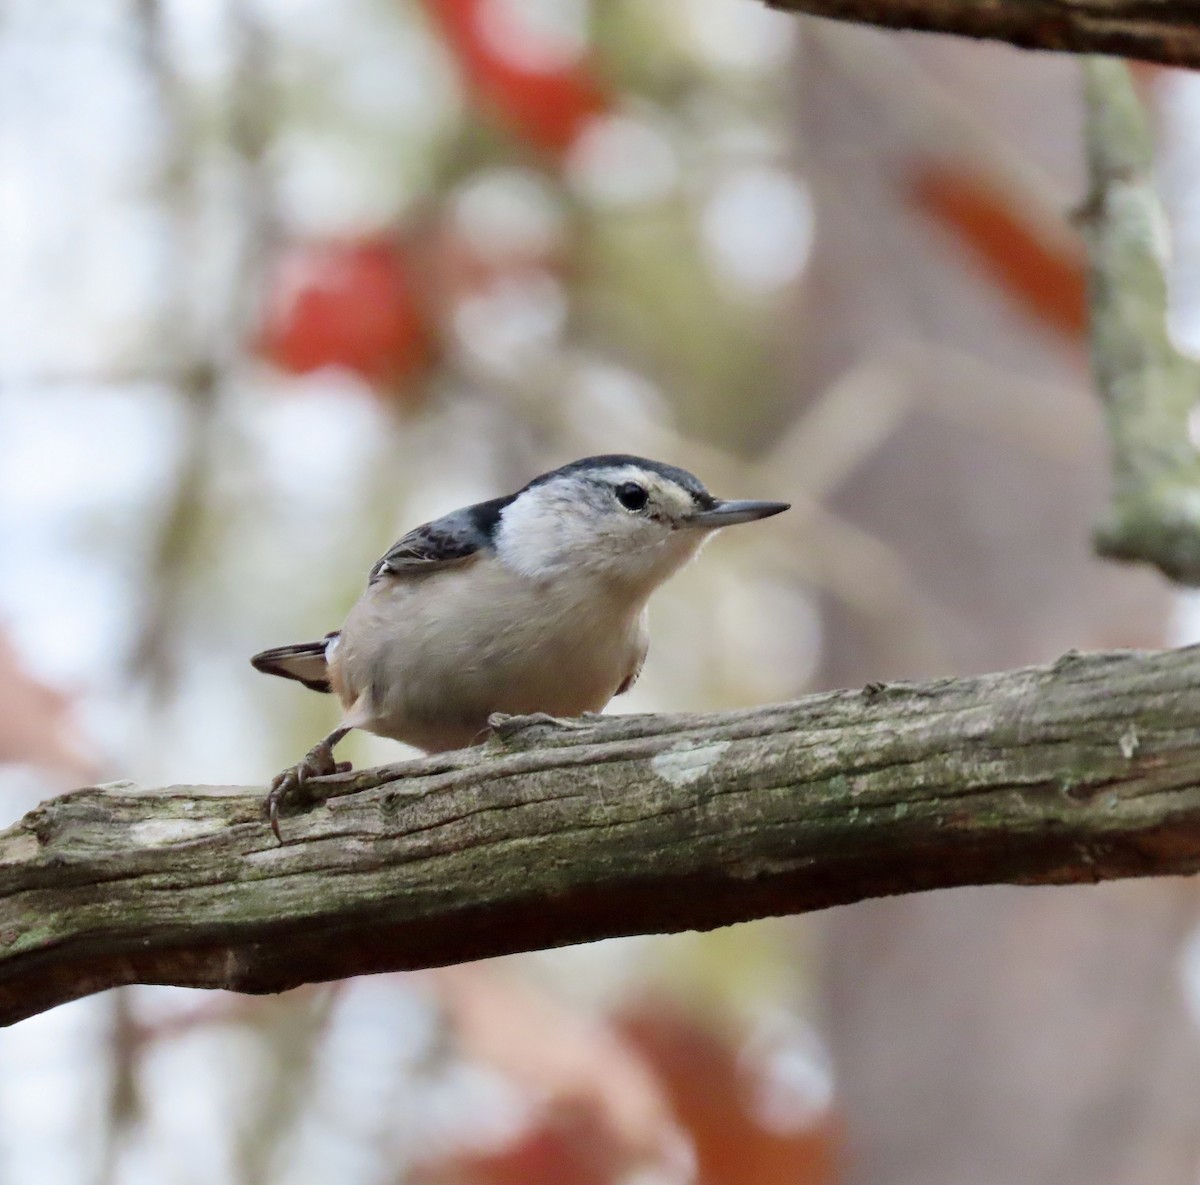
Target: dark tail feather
[304, 662]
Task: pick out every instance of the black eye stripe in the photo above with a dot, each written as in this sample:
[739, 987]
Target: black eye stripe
[632, 496]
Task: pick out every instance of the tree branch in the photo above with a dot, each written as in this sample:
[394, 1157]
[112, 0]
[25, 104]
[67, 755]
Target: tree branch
[1165, 31]
[554, 833]
[1151, 391]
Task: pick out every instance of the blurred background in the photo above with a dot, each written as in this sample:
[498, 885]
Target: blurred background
[280, 279]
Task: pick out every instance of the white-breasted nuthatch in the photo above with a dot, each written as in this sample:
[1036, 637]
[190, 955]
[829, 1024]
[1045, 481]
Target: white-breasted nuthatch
[533, 603]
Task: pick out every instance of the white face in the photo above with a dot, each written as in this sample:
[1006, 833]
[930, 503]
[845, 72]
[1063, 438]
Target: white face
[624, 525]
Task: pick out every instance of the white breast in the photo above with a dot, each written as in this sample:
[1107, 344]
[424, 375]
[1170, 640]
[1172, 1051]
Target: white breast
[427, 658]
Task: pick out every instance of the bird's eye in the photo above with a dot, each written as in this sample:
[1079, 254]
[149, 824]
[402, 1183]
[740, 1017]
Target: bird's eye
[632, 496]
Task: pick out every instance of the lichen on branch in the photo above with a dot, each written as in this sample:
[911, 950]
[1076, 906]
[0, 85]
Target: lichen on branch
[555, 833]
[1150, 390]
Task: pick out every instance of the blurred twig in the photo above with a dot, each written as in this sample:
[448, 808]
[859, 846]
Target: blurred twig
[193, 374]
[562, 832]
[124, 1108]
[292, 1037]
[1164, 31]
[933, 119]
[1033, 415]
[1151, 391]
[199, 357]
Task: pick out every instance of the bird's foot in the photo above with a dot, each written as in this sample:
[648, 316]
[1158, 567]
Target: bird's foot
[292, 783]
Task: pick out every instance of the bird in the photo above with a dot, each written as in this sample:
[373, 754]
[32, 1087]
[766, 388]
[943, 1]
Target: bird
[532, 603]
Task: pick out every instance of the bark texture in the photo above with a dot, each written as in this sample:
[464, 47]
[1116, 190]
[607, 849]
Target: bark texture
[1151, 390]
[1165, 31]
[558, 833]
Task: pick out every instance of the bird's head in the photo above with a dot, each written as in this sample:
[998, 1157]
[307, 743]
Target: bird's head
[619, 519]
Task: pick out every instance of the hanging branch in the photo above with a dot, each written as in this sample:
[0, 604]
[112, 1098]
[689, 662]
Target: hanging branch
[1151, 391]
[1165, 31]
[560, 832]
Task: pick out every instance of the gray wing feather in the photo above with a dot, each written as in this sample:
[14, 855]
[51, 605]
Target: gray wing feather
[446, 540]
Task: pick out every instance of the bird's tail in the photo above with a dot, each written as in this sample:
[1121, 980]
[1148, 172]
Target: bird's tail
[305, 662]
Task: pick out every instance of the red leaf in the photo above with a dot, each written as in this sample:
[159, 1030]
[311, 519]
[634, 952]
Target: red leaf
[545, 107]
[1046, 280]
[600, 1115]
[348, 304]
[570, 1146]
[35, 720]
[708, 1093]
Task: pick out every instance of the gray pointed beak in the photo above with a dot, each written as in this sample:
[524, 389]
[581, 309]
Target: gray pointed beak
[726, 513]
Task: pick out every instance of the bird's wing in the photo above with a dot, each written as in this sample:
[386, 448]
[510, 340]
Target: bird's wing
[448, 540]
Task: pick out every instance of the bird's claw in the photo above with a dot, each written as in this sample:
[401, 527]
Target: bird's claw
[291, 783]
